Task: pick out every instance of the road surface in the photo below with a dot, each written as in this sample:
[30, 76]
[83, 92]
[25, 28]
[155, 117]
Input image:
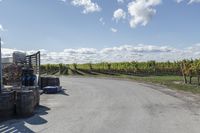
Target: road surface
[92, 105]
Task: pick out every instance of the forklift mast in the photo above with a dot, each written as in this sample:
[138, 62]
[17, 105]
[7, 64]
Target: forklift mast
[33, 61]
[1, 79]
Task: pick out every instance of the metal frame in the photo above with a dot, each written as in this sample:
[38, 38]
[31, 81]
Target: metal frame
[1, 79]
[33, 61]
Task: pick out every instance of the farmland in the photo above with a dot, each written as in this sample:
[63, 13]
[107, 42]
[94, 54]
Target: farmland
[180, 75]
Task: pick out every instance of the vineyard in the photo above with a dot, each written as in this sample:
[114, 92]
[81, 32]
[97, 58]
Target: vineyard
[189, 69]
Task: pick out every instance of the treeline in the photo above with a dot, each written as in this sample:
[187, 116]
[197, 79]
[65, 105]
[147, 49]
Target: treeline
[187, 68]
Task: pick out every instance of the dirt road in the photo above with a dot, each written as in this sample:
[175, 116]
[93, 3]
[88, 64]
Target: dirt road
[92, 105]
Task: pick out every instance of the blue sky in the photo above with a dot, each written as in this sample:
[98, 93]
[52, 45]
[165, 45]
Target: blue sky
[55, 25]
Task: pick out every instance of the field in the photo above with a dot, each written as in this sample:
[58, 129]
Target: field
[183, 75]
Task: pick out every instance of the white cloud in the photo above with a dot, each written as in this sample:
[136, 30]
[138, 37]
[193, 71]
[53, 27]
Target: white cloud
[179, 1]
[121, 53]
[140, 48]
[81, 51]
[2, 42]
[189, 1]
[141, 11]
[113, 30]
[119, 14]
[1, 28]
[88, 6]
[194, 1]
[101, 20]
[7, 52]
[63, 0]
[120, 1]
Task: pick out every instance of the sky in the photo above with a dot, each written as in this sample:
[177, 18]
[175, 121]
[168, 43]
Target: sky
[82, 31]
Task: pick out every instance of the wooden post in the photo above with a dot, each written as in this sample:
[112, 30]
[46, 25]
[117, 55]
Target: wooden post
[1, 79]
[39, 63]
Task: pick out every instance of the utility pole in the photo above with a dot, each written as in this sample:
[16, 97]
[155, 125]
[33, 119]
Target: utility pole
[1, 79]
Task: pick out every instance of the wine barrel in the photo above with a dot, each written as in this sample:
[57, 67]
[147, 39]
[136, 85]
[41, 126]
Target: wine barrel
[7, 104]
[24, 103]
[36, 94]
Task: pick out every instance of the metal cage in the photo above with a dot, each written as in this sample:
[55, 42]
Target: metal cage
[33, 61]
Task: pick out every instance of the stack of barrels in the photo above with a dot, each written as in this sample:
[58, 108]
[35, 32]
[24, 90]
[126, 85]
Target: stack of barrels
[27, 100]
[24, 102]
[7, 106]
[28, 97]
[19, 101]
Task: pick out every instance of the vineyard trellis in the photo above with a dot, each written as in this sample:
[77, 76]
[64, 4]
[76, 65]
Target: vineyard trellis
[186, 68]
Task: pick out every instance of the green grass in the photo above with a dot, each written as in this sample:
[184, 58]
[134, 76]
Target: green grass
[172, 82]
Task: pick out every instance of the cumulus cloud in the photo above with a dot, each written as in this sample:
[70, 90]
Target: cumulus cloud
[189, 1]
[63, 0]
[101, 20]
[140, 48]
[2, 42]
[194, 1]
[81, 51]
[121, 53]
[119, 14]
[120, 1]
[7, 52]
[113, 30]
[88, 5]
[179, 1]
[142, 11]
[1, 28]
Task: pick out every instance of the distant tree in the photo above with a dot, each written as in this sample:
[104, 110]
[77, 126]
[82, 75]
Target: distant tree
[186, 68]
[90, 66]
[196, 68]
[60, 68]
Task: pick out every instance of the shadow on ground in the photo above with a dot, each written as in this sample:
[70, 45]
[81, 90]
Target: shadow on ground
[18, 125]
[75, 72]
[88, 72]
[63, 92]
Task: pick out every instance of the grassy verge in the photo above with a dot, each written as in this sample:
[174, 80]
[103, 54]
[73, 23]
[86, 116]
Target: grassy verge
[172, 82]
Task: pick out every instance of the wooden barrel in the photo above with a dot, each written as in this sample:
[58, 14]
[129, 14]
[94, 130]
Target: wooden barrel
[36, 94]
[24, 103]
[7, 104]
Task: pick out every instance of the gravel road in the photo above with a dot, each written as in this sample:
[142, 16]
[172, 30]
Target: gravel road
[94, 105]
